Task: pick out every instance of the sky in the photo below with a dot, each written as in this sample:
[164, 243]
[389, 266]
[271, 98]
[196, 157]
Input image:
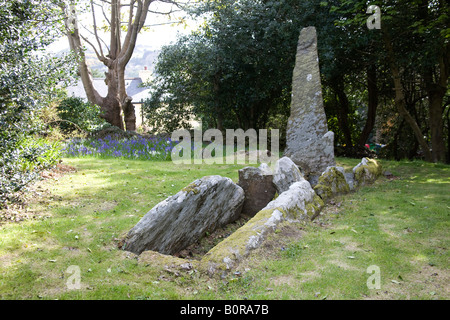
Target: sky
[161, 33]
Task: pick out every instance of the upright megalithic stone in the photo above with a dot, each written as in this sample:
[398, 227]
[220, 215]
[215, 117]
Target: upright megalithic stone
[308, 142]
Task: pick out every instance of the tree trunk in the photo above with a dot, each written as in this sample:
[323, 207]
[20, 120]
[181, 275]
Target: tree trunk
[397, 134]
[448, 135]
[436, 127]
[217, 107]
[116, 60]
[76, 47]
[129, 113]
[372, 106]
[436, 91]
[343, 111]
[400, 99]
[111, 105]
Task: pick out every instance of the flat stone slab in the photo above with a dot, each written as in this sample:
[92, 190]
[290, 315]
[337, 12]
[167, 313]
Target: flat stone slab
[258, 188]
[180, 220]
[299, 203]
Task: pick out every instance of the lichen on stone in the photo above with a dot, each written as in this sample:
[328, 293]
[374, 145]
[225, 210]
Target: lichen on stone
[231, 250]
[331, 182]
[314, 208]
[367, 171]
[193, 187]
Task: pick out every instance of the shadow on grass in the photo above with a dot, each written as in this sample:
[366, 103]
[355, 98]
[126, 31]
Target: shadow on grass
[93, 209]
[398, 221]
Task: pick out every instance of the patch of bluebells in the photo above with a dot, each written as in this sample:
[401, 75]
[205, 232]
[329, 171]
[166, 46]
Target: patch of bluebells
[141, 148]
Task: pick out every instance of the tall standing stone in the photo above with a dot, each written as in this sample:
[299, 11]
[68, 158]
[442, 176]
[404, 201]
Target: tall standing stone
[308, 142]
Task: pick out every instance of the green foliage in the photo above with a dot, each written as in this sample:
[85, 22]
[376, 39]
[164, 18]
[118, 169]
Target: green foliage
[236, 70]
[23, 164]
[164, 112]
[29, 81]
[417, 32]
[78, 114]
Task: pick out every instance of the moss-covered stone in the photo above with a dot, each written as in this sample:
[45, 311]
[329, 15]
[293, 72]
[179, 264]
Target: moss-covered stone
[314, 208]
[193, 187]
[300, 203]
[230, 251]
[331, 182]
[324, 191]
[367, 171]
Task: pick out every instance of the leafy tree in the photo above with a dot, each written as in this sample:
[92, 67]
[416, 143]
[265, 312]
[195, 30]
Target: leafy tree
[414, 41]
[236, 70]
[181, 86]
[29, 79]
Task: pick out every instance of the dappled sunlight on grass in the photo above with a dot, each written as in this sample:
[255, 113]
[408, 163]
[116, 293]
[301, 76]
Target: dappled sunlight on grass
[444, 180]
[399, 225]
[89, 211]
[420, 257]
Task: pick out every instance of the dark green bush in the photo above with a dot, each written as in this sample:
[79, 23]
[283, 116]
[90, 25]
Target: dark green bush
[78, 114]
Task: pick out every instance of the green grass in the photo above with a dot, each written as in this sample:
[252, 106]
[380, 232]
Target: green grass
[399, 225]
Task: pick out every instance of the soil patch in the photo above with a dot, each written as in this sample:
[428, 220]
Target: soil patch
[198, 249]
[58, 171]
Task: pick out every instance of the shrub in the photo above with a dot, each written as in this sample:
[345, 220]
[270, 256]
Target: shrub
[22, 165]
[29, 81]
[78, 114]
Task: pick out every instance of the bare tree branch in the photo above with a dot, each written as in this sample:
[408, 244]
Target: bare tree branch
[103, 12]
[120, 49]
[130, 19]
[102, 56]
[73, 35]
[88, 30]
[165, 13]
[161, 24]
[113, 38]
[133, 30]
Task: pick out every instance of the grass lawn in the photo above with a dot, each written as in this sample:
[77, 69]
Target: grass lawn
[399, 225]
